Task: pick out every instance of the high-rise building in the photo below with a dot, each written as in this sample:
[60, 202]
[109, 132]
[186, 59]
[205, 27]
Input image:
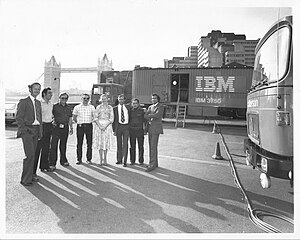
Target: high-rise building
[208, 56]
[189, 61]
[249, 49]
[218, 49]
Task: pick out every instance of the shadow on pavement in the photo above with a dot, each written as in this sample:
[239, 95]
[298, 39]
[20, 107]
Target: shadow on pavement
[132, 201]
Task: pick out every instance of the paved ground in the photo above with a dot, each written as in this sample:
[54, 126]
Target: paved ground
[189, 193]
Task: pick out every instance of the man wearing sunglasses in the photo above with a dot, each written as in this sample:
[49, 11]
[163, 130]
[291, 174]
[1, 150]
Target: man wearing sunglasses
[83, 116]
[62, 114]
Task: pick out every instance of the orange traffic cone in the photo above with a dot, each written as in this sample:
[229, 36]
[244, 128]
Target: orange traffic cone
[217, 154]
[215, 130]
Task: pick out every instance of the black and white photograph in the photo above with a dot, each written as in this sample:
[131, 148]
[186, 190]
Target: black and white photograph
[149, 119]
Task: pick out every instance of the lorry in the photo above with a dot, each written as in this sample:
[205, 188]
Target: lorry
[219, 91]
[112, 90]
[269, 117]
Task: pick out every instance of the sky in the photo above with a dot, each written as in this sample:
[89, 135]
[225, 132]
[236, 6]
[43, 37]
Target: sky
[130, 32]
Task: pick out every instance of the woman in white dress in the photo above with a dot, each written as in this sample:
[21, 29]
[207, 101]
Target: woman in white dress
[102, 130]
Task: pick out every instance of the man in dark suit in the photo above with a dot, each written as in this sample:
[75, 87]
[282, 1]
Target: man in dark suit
[29, 120]
[121, 129]
[154, 116]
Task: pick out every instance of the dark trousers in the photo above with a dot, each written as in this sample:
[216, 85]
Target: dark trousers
[29, 139]
[153, 152]
[122, 142]
[59, 135]
[87, 130]
[43, 148]
[136, 135]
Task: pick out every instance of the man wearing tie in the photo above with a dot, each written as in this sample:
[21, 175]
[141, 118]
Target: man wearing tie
[29, 121]
[121, 130]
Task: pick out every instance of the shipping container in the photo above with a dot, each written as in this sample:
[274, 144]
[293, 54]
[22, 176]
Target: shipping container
[205, 91]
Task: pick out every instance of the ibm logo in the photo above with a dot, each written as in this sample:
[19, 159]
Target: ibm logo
[212, 84]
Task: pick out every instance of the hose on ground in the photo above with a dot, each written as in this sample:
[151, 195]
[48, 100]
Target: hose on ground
[255, 215]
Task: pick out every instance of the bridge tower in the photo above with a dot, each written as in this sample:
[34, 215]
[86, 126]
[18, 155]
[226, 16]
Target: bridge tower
[52, 71]
[104, 65]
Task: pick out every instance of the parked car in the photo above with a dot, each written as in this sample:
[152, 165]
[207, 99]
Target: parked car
[10, 112]
[73, 104]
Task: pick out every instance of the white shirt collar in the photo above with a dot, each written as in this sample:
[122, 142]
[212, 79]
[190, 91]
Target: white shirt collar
[32, 98]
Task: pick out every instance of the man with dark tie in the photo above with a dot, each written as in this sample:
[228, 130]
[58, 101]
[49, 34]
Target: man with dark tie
[29, 121]
[121, 129]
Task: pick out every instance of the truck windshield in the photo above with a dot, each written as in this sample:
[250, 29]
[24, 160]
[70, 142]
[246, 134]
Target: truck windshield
[97, 90]
[272, 59]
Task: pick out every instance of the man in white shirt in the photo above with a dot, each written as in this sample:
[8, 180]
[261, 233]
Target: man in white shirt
[83, 116]
[43, 146]
[121, 129]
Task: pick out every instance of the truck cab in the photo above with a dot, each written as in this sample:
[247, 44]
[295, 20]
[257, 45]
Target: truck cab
[112, 90]
[269, 146]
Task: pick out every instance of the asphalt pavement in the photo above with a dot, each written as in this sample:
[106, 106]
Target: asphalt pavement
[190, 192]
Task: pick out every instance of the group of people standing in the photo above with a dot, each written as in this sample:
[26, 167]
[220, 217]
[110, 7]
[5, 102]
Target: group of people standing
[43, 126]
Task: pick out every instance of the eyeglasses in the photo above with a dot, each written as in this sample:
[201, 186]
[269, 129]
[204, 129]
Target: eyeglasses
[64, 98]
[85, 98]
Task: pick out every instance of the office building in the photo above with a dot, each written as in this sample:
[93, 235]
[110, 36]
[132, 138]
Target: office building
[190, 61]
[218, 49]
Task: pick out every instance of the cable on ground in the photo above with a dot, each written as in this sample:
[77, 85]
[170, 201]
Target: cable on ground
[255, 215]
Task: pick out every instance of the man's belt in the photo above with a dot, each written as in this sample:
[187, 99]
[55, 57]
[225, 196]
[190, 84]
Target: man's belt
[83, 124]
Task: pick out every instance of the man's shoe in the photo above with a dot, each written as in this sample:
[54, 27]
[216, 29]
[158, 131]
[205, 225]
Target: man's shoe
[132, 163]
[118, 162]
[66, 164]
[141, 163]
[46, 169]
[35, 179]
[26, 184]
[52, 168]
[124, 165]
[149, 169]
[89, 162]
[79, 162]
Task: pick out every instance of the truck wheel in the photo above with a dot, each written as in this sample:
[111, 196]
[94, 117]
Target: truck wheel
[265, 180]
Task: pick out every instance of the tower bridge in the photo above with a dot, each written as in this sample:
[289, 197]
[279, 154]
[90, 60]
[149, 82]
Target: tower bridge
[53, 70]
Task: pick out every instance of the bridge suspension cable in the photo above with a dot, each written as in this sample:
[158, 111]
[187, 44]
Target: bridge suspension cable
[24, 89]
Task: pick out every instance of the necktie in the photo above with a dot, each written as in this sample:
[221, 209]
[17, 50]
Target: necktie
[37, 111]
[122, 115]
